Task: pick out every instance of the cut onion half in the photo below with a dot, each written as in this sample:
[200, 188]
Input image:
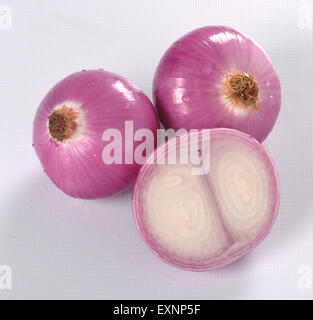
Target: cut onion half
[204, 222]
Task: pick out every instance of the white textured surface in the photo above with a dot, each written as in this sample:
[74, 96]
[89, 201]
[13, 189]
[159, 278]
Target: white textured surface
[60, 247]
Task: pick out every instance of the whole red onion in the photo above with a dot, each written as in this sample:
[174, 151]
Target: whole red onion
[216, 77]
[69, 127]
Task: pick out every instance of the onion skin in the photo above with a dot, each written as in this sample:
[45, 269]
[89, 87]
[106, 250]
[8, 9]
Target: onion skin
[147, 171]
[188, 90]
[105, 101]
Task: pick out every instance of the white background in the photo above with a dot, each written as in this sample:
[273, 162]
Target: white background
[59, 247]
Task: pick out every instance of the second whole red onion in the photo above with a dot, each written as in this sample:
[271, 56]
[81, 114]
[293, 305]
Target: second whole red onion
[69, 127]
[217, 77]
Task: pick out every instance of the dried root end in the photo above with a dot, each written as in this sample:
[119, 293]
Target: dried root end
[63, 123]
[242, 89]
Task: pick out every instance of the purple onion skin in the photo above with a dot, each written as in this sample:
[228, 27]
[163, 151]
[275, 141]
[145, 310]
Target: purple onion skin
[148, 170]
[187, 85]
[106, 101]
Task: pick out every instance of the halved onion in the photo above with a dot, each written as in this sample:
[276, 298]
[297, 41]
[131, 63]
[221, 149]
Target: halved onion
[203, 222]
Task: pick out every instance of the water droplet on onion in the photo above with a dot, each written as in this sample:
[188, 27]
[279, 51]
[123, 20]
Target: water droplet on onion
[185, 99]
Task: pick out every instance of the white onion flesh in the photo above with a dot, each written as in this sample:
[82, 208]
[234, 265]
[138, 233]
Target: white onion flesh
[181, 214]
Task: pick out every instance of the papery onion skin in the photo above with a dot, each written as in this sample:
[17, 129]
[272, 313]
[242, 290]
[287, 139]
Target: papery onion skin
[104, 100]
[188, 84]
[145, 175]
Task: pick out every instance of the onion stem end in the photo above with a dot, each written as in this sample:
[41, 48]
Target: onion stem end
[63, 123]
[242, 89]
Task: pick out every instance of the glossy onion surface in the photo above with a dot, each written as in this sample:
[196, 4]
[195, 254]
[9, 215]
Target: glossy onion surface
[189, 84]
[101, 100]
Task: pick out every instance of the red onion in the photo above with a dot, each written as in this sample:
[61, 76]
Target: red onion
[216, 77]
[69, 127]
[203, 222]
